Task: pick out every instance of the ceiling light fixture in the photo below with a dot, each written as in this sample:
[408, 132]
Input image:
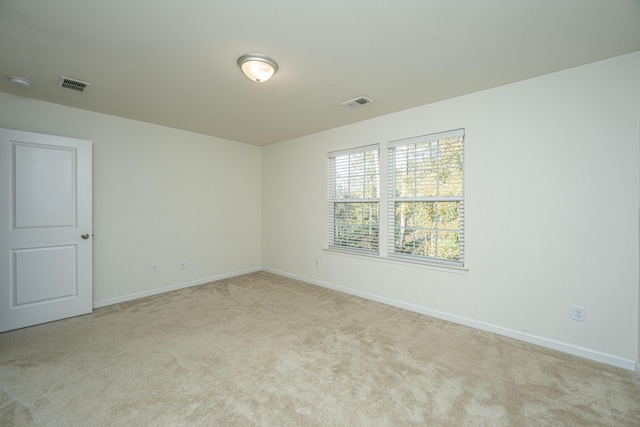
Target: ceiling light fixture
[19, 81]
[257, 67]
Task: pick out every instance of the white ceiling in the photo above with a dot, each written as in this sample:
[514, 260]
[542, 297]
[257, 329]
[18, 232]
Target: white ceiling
[173, 62]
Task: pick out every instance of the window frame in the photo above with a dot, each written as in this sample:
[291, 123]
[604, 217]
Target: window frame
[386, 212]
[334, 199]
[392, 199]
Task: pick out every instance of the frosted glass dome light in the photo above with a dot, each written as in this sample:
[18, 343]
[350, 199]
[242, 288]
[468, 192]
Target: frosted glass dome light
[257, 67]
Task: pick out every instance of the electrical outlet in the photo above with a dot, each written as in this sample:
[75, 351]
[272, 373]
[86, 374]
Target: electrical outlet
[578, 313]
[183, 265]
[317, 263]
[154, 268]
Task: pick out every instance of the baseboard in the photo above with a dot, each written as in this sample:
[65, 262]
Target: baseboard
[142, 294]
[532, 339]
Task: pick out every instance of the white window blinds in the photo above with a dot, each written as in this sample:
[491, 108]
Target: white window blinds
[354, 183]
[426, 197]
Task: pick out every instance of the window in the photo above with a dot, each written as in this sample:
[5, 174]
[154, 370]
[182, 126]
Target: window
[426, 197]
[354, 199]
[419, 217]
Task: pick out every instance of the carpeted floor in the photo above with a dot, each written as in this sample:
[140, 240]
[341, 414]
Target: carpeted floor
[261, 349]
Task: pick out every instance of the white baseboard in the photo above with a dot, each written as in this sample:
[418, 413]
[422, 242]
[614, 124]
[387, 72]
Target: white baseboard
[586, 353]
[142, 294]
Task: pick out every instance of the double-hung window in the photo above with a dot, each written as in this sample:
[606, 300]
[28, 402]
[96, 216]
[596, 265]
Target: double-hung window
[354, 199]
[426, 198]
[421, 212]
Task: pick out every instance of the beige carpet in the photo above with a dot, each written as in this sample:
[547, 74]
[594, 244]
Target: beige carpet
[261, 349]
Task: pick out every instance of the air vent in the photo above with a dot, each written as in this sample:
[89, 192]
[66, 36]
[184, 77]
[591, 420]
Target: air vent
[77, 85]
[357, 102]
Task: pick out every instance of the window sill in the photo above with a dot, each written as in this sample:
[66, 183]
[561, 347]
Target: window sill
[399, 261]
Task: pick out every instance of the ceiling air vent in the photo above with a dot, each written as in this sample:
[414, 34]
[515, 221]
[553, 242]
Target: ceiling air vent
[357, 102]
[77, 85]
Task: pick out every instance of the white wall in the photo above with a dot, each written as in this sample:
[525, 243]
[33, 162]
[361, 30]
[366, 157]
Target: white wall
[552, 197]
[160, 195]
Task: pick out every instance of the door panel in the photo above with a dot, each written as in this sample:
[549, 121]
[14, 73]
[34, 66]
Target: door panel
[44, 186]
[35, 270]
[45, 195]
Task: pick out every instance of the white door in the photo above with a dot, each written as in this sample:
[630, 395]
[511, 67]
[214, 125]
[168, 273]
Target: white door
[45, 228]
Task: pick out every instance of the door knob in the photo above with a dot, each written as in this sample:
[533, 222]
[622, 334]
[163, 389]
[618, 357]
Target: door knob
[85, 236]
